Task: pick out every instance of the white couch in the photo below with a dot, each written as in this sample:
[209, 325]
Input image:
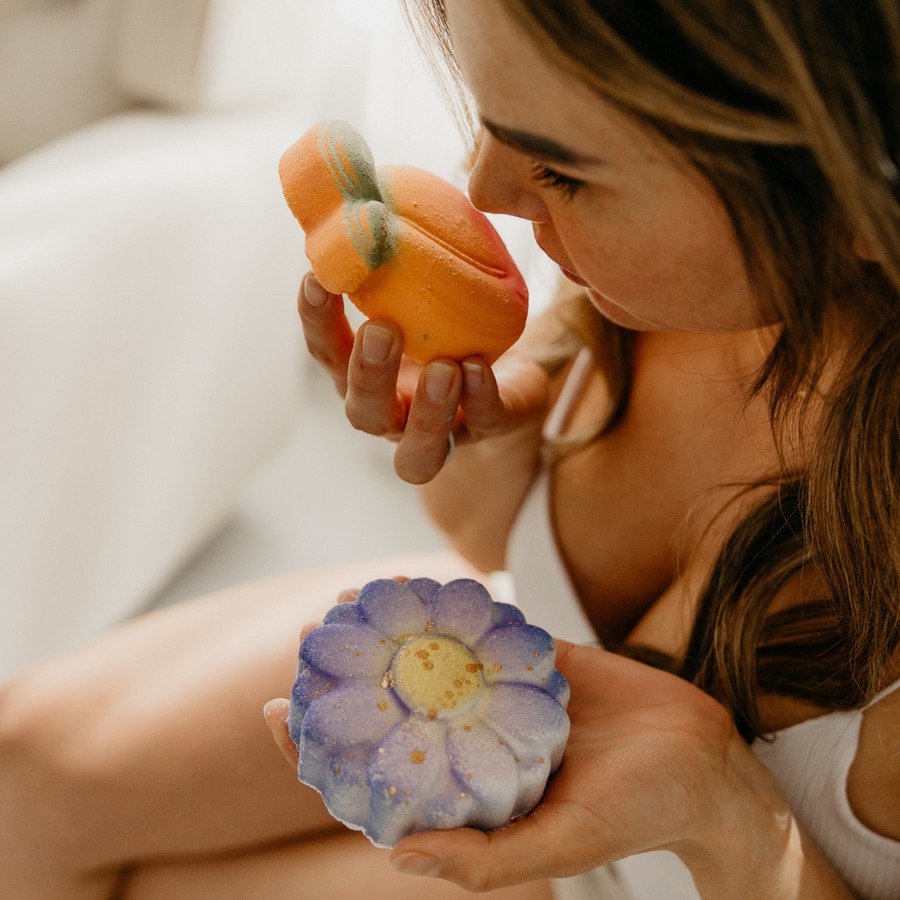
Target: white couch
[149, 350]
[150, 356]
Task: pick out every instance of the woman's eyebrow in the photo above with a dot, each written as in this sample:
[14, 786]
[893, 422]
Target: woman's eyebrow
[535, 145]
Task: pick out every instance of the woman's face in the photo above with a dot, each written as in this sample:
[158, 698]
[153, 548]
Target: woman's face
[612, 204]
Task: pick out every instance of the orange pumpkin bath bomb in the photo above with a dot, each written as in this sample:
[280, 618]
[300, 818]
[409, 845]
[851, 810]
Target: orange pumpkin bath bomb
[403, 245]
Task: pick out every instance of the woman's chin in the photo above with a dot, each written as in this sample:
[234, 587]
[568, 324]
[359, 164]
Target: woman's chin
[617, 315]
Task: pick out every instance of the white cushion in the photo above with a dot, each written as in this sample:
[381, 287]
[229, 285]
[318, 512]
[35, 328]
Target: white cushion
[218, 54]
[55, 69]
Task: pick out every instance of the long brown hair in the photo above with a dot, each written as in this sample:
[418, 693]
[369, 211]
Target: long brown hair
[791, 108]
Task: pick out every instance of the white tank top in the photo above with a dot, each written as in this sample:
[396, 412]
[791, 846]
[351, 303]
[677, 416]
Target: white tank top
[810, 760]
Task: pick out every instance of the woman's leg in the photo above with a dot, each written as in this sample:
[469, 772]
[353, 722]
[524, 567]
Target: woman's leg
[339, 867]
[150, 743]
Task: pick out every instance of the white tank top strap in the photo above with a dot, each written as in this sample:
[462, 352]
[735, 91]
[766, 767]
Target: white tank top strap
[884, 692]
[571, 389]
[543, 588]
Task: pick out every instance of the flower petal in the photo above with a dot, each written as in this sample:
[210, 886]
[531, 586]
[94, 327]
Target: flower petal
[485, 767]
[424, 587]
[558, 688]
[342, 613]
[342, 783]
[345, 651]
[522, 653]
[462, 609]
[392, 609]
[507, 614]
[533, 723]
[351, 715]
[337, 728]
[309, 686]
[532, 784]
[412, 786]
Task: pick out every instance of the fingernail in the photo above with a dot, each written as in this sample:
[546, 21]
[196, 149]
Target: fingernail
[315, 294]
[376, 343]
[438, 381]
[416, 864]
[473, 376]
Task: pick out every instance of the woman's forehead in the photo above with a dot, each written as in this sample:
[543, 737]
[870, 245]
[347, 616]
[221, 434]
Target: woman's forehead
[520, 91]
[501, 65]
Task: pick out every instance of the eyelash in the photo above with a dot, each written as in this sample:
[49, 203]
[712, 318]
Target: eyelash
[550, 178]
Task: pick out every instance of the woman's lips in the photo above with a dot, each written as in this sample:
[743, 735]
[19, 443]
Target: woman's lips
[543, 244]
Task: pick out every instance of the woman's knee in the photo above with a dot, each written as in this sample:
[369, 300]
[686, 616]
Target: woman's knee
[45, 753]
[47, 791]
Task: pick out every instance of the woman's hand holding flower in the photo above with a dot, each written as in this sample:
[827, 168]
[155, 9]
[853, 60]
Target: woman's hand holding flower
[652, 763]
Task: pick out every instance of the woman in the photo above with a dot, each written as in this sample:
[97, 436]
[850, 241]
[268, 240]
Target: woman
[712, 486]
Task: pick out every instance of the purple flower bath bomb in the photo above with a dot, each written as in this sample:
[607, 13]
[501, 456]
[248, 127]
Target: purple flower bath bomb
[423, 706]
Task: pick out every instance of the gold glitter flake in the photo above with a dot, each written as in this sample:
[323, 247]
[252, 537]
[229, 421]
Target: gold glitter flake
[417, 757]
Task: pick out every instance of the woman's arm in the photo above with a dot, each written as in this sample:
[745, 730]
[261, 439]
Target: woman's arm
[475, 498]
[495, 415]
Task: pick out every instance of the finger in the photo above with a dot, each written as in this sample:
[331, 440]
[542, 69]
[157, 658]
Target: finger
[422, 450]
[276, 714]
[329, 337]
[348, 595]
[501, 399]
[373, 403]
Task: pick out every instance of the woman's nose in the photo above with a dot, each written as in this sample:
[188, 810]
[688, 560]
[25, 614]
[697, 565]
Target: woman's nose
[500, 183]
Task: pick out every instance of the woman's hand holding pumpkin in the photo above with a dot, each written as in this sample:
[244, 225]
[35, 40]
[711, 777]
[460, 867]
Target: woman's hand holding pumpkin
[389, 395]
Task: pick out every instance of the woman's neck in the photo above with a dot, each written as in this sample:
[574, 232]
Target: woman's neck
[731, 360]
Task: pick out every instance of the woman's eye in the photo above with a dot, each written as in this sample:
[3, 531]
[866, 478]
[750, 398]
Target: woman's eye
[550, 178]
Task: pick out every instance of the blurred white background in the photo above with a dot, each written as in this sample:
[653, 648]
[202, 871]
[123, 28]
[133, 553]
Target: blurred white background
[161, 432]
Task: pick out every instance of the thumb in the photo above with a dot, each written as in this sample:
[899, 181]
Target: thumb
[276, 715]
[544, 844]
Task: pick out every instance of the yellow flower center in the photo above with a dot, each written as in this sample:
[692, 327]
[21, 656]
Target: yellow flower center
[435, 675]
